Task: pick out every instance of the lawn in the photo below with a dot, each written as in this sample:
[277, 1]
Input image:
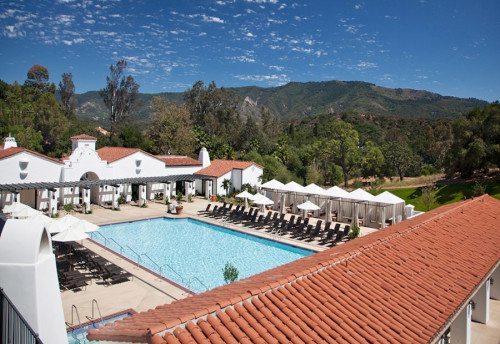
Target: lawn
[445, 194]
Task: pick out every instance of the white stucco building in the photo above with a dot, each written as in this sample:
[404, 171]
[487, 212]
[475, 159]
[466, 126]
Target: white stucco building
[109, 174]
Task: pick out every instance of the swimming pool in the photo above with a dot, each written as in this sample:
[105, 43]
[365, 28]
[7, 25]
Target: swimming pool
[79, 336]
[193, 253]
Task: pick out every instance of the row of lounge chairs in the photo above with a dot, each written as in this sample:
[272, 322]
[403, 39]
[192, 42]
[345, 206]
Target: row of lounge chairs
[77, 266]
[273, 222]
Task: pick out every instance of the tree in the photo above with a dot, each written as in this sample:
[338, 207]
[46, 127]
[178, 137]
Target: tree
[343, 147]
[226, 184]
[38, 77]
[428, 197]
[67, 94]
[171, 129]
[373, 159]
[398, 157]
[313, 175]
[120, 94]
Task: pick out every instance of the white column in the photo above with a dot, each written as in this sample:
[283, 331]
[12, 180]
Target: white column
[126, 193]
[174, 191]
[495, 284]
[208, 189]
[86, 200]
[481, 299]
[460, 329]
[15, 197]
[166, 192]
[52, 203]
[382, 216]
[142, 195]
[114, 198]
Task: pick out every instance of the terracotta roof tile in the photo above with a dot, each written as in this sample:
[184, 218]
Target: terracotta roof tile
[5, 153]
[218, 168]
[83, 137]
[401, 287]
[111, 154]
[178, 160]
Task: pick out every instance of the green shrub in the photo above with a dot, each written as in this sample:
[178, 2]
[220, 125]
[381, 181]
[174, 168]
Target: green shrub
[354, 232]
[249, 188]
[55, 215]
[478, 189]
[179, 197]
[357, 184]
[144, 205]
[122, 199]
[167, 201]
[190, 198]
[68, 207]
[230, 273]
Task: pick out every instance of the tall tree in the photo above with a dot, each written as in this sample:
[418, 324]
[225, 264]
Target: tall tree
[67, 93]
[120, 95]
[398, 157]
[171, 129]
[37, 76]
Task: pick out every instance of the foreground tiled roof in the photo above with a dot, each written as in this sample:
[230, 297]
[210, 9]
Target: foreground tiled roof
[219, 168]
[178, 160]
[397, 285]
[111, 154]
[83, 137]
[5, 153]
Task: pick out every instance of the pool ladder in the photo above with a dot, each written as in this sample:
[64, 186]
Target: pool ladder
[93, 318]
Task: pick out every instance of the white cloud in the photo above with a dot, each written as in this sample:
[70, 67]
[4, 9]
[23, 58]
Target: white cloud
[278, 68]
[363, 65]
[210, 19]
[65, 19]
[249, 34]
[13, 31]
[357, 6]
[271, 79]
[242, 58]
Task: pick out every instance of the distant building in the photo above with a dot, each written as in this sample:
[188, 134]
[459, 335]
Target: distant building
[133, 174]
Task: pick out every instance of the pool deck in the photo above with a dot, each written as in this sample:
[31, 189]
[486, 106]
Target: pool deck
[147, 290]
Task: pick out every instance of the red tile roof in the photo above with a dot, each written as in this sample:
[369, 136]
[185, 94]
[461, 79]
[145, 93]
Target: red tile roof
[398, 285]
[111, 154]
[178, 160]
[5, 153]
[218, 168]
[83, 137]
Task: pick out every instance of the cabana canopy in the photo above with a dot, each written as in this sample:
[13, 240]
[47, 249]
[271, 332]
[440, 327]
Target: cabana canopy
[293, 187]
[308, 206]
[262, 200]
[361, 195]
[335, 191]
[314, 189]
[273, 185]
[389, 198]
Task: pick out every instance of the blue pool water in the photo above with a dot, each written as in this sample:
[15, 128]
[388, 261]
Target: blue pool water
[187, 249]
[79, 336]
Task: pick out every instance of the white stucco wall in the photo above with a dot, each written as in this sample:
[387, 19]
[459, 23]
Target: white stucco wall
[177, 170]
[252, 175]
[129, 167]
[83, 160]
[25, 167]
[218, 187]
[236, 178]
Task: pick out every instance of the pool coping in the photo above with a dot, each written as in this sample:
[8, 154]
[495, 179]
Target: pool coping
[107, 317]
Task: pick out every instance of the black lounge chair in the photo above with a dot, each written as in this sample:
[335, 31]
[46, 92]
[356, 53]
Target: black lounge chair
[341, 235]
[267, 219]
[206, 210]
[214, 211]
[282, 227]
[314, 233]
[289, 226]
[330, 234]
[258, 222]
[299, 230]
[251, 219]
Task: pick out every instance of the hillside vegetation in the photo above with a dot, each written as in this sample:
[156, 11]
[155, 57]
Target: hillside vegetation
[297, 100]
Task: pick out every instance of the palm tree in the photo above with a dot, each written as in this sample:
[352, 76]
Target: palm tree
[226, 184]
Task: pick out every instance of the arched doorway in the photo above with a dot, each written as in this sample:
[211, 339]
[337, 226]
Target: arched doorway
[94, 190]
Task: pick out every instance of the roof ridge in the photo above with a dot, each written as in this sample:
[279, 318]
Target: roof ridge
[336, 261]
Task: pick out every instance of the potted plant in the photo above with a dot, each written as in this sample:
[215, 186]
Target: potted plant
[178, 207]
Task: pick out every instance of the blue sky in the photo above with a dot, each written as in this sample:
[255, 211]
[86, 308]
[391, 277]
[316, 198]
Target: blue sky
[450, 47]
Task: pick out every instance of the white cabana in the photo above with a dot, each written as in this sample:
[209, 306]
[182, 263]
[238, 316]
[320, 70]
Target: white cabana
[70, 221]
[70, 234]
[396, 207]
[335, 191]
[294, 188]
[272, 189]
[272, 185]
[314, 189]
[262, 200]
[361, 195]
[246, 195]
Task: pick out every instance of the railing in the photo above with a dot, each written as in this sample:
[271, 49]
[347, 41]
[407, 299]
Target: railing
[199, 281]
[120, 246]
[137, 254]
[13, 327]
[105, 239]
[94, 301]
[155, 263]
[73, 311]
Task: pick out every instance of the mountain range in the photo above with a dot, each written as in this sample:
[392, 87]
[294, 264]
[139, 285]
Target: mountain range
[297, 100]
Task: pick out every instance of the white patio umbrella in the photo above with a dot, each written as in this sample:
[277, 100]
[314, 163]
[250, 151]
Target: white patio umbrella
[14, 207]
[262, 200]
[25, 212]
[246, 195]
[307, 206]
[294, 188]
[43, 219]
[69, 221]
[70, 234]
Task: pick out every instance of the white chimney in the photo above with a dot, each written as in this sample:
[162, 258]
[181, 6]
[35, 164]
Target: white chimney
[83, 141]
[203, 157]
[9, 142]
[29, 278]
